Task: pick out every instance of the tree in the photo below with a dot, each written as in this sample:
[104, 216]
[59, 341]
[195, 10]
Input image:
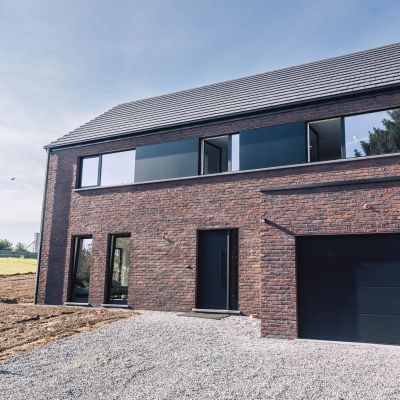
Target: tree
[20, 248]
[383, 140]
[5, 244]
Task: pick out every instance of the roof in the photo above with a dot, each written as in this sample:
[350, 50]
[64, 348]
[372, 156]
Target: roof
[357, 72]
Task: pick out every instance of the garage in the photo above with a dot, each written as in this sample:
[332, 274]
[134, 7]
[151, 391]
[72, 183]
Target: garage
[348, 288]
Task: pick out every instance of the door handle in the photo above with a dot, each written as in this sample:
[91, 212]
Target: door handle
[222, 268]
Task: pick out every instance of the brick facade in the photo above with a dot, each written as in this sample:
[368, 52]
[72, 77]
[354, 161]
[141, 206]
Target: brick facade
[163, 272]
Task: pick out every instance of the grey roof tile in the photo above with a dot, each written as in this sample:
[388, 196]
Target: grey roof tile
[369, 69]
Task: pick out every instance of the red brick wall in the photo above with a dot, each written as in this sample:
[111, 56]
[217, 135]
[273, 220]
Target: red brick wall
[159, 277]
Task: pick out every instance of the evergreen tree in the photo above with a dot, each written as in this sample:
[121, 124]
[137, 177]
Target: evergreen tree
[5, 244]
[383, 140]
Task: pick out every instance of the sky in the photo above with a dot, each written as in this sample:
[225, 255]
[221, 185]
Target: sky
[63, 62]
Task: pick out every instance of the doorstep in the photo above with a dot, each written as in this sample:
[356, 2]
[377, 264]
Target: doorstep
[211, 311]
[115, 305]
[72, 304]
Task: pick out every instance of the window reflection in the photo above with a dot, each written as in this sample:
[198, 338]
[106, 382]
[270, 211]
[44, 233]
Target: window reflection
[118, 168]
[119, 270]
[81, 271]
[89, 171]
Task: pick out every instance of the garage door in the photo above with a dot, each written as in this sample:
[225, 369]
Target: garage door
[349, 288]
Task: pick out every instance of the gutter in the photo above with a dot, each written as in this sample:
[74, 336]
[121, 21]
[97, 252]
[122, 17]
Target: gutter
[41, 227]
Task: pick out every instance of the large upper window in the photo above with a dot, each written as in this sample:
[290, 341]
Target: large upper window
[167, 160]
[108, 169]
[286, 144]
[273, 146]
[355, 136]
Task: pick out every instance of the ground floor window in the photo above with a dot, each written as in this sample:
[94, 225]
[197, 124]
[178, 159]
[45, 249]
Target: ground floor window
[118, 271]
[82, 262]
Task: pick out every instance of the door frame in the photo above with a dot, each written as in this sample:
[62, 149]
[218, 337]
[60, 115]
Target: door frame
[75, 241]
[228, 231]
[110, 262]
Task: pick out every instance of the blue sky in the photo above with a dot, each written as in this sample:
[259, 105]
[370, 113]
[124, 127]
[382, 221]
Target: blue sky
[64, 62]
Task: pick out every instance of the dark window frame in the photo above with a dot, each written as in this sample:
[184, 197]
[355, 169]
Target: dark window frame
[110, 262]
[205, 142]
[100, 156]
[75, 240]
[343, 116]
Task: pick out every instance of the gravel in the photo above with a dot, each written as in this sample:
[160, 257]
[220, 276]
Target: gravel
[162, 356]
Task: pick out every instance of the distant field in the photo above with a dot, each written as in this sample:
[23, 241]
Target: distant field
[13, 266]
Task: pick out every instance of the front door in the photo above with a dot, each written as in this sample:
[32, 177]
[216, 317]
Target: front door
[217, 278]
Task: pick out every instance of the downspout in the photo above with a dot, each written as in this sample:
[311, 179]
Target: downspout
[41, 227]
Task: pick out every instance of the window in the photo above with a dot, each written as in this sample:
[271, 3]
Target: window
[273, 146]
[167, 160]
[220, 154]
[108, 169]
[117, 168]
[82, 262]
[118, 278]
[355, 136]
[89, 171]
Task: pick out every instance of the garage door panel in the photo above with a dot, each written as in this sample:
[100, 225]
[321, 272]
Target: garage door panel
[346, 274]
[349, 287]
[370, 300]
[367, 328]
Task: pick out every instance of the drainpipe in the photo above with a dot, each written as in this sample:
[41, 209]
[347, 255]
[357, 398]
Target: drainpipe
[41, 227]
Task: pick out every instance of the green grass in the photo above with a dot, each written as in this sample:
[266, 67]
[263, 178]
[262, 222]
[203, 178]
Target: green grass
[13, 266]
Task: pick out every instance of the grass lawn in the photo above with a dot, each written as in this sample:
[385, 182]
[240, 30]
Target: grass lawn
[13, 266]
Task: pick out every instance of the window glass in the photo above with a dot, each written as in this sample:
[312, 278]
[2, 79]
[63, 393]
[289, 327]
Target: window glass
[372, 134]
[118, 168]
[167, 160]
[119, 270]
[273, 146]
[355, 136]
[81, 272]
[216, 155]
[220, 154]
[89, 171]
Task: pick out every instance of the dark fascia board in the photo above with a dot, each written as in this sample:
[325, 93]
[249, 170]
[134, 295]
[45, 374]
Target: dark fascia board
[348, 182]
[234, 117]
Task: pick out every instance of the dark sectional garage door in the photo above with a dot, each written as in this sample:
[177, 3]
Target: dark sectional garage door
[349, 288]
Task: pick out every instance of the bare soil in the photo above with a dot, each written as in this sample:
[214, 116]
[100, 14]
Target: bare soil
[17, 288]
[26, 326]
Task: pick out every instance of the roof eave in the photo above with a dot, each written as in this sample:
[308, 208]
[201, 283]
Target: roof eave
[230, 117]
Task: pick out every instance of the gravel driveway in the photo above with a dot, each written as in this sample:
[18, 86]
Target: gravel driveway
[163, 356]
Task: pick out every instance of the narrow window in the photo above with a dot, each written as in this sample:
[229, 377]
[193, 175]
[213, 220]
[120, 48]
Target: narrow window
[220, 154]
[118, 277]
[79, 292]
[89, 171]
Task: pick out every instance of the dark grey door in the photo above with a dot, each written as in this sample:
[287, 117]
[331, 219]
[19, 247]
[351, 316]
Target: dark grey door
[217, 270]
[349, 288]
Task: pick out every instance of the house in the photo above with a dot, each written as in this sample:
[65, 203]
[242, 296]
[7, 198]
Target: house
[276, 194]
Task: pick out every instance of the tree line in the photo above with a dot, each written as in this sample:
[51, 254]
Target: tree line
[19, 248]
